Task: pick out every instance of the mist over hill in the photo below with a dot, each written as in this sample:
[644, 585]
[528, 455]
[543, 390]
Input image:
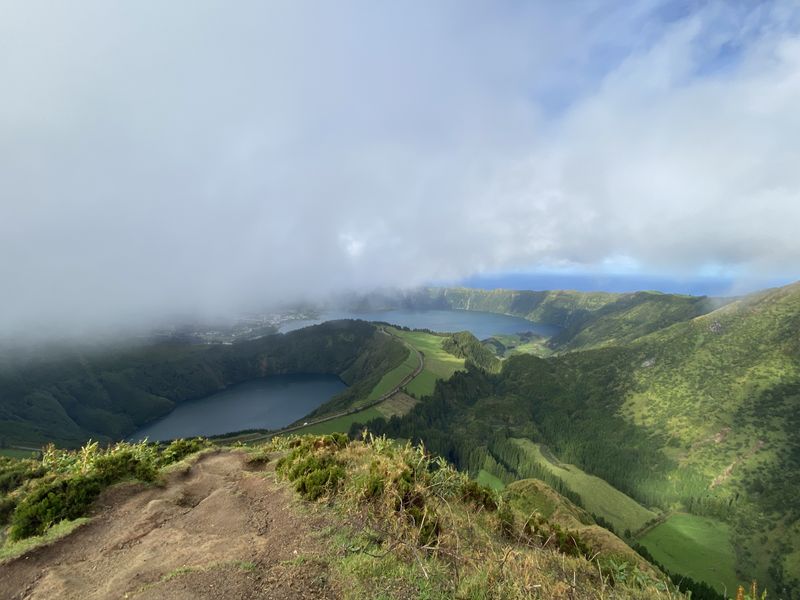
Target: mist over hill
[542, 252]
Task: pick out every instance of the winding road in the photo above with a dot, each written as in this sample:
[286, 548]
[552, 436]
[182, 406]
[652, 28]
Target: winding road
[257, 437]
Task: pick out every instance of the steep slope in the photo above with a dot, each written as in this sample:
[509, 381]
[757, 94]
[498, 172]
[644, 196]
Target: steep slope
[700, 417]
[380, 520]
[725, 390]
[531, 497]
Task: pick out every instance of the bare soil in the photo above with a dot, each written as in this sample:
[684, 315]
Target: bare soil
[218, 529]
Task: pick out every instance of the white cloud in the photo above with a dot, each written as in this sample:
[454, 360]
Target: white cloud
[196, 156]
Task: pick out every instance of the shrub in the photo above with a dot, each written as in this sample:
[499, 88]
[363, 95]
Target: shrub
[373, 484]
[311, 467]
[68, 498]
[319, 481]
[13, 473]
[75, 480]
[116, 466]
[505, 516]
[478, 495]
[180, 449]
[7, 506]
[425, 521]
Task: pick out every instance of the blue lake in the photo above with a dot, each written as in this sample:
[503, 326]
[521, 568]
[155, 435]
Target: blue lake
[481, 324]
[267, 403]
[276, 401]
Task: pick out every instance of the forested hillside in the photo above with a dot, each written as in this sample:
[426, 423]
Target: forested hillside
[73, 397]
[700, 418]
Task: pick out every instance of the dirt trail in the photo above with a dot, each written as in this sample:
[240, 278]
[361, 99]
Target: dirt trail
[216, 530]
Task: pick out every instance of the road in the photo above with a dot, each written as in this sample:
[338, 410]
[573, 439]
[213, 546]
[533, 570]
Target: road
[405, 381]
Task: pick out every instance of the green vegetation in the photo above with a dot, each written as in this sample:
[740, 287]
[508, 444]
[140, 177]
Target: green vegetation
[699, 547]
[533, 496]
[588, 320]
[341, 424]
[419, 528]
[396, 405]
[467, 346]
[684, 405]
[438, 362]
[37, 495]
[597, 496]
[504, 346]
[72, 396]
[61, 529]
[488, 480]
[15, 453]
[394, 377]
[403, 523]
[702, 416]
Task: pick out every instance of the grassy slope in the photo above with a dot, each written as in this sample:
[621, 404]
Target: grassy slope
[600, 498]
[399, 524]
[391, 379]
[490, 481]
[725, 389]
[474, 550]
[699, 547]
[702, 416]
[508, 345]
[720, 394]
[438, 363]
[533, 496]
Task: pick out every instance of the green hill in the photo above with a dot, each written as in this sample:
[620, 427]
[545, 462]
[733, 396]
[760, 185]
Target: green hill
[661, 416]
[378, 519]
[69, 397]
[586, 319]
[699, 417]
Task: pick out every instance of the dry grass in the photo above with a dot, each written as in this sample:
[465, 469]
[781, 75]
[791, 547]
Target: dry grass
[413, 527]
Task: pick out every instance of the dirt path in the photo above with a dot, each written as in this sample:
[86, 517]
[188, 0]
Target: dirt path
[217, 530]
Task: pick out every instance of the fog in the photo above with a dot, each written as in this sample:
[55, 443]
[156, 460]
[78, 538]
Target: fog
[201, 158]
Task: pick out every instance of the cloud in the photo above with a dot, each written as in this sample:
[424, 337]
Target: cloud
[202, 156]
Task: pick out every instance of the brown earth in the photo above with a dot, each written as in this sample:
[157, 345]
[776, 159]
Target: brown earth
[218, 528]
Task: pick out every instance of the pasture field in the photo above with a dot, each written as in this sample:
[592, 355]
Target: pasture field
[392, 379]
[489, 480]
[398, 404]
[699, 547]
[598, 496]
[438, 363]
[340, 424]
[515, 344]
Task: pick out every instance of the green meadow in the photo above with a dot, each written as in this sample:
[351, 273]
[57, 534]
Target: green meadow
[340, 424]
[699, 547]
[438, 363]
[598, 496]
[393, 378]
[489, 480]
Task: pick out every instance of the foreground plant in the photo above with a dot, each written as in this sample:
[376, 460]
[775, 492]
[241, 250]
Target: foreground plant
[68, 482]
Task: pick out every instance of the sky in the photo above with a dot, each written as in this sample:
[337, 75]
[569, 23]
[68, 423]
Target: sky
[196, 157]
